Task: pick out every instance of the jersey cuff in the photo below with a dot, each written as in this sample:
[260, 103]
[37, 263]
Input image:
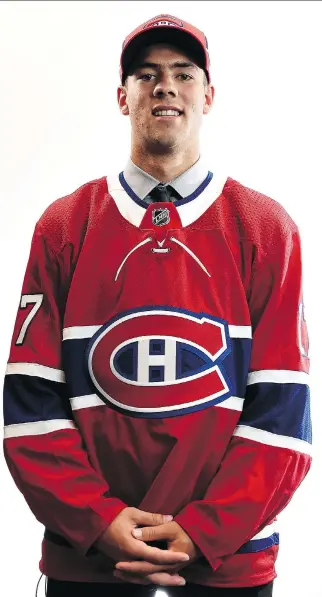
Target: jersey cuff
[106, 510]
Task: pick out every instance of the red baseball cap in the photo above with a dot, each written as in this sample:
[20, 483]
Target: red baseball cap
[166, 29]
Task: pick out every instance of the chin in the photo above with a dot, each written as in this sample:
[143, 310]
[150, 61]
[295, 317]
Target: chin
[164, 141]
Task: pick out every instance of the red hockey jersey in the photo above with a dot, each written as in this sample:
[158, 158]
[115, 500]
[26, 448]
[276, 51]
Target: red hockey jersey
[159, 360]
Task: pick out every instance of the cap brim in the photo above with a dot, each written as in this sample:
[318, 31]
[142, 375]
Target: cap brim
[176, 37]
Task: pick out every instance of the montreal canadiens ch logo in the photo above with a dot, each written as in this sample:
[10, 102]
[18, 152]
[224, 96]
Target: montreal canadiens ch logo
[160, 361]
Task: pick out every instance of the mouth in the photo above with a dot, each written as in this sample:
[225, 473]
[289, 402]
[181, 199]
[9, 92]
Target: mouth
[166, 114]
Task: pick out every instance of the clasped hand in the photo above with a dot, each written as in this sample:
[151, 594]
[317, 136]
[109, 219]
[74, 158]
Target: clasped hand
[146, 572]
[139, 563]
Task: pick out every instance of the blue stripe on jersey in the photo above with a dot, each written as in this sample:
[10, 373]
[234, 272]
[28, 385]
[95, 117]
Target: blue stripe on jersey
[259, 544]
[234, 366]
[281, 408]
[29, 399]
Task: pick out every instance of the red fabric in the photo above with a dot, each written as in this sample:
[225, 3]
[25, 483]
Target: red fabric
[222, 488]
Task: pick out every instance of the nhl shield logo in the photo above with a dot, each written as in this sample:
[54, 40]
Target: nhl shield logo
[160, 217]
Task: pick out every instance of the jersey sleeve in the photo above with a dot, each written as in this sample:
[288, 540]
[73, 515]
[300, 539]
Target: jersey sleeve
[269, 454]
[43, 448]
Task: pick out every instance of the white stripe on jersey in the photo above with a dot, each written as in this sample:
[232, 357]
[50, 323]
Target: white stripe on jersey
[89, 400]
[233, 403]
[278, 376]
[87, 331]
[36, 370]
[37, 428]
[79, 332]
[273, 439]
[240, 331]
[86, 401]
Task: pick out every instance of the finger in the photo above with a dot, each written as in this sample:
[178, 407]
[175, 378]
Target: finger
[154, 555]
[150, 518]
[161, 578]
[136, 580]
[142, 567]
[156, 533]
[165, 579]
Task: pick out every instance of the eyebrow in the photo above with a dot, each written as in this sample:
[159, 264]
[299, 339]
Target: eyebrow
[173, 65]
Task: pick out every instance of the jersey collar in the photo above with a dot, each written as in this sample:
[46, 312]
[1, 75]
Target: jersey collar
[190, 208]
[141, 183]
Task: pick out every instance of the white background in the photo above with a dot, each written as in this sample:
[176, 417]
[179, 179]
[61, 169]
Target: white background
[60, 127]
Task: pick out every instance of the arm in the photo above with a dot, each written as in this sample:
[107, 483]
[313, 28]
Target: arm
[269, 454]
[42, 445]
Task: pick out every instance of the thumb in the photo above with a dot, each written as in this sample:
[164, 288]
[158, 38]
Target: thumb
[150, 518]
[156, 533]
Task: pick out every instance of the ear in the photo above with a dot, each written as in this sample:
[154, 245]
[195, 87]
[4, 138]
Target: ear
[209, 98]
[121, 100]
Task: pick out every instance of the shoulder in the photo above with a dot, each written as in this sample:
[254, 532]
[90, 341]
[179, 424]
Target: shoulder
[260, 217]
[67, 217]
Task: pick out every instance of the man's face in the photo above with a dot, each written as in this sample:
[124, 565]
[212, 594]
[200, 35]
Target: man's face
[165, 76]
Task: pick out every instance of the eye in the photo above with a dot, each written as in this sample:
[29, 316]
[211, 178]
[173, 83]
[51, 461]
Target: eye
[145, 75]
[185, 75]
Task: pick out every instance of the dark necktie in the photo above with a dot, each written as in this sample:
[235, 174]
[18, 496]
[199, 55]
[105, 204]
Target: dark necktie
[162, 193]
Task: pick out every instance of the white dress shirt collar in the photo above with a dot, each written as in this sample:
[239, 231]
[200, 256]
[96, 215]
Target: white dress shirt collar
[142, 183]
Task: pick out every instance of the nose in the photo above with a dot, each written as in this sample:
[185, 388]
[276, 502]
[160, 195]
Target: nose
[165, 86]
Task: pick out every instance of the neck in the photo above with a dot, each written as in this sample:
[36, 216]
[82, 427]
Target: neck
[164, 167]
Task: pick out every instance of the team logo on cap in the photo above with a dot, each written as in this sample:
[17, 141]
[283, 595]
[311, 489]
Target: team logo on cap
[164, 21]
[160, 217]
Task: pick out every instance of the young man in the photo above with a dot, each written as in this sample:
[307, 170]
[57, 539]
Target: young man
[159, 359]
